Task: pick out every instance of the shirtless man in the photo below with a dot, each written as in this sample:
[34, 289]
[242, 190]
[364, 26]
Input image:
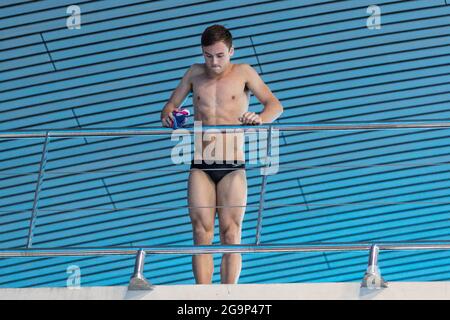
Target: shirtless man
[221, 94]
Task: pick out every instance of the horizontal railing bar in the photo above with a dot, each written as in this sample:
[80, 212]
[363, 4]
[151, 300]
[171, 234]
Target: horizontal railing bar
[43, 252]
[309, 204]
[237, 128]
[406, 165]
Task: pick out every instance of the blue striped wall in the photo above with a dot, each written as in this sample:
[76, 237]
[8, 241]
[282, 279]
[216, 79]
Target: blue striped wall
[319, 59]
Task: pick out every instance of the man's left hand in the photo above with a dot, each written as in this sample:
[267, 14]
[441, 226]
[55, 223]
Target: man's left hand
[250, 118]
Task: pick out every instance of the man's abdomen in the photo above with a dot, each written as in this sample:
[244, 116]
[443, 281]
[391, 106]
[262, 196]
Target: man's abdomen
[220, 147]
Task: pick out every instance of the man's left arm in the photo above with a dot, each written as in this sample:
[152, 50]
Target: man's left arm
[272, 106]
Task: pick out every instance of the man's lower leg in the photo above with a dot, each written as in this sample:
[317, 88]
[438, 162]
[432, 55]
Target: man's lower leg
[203, 267]
[230, 268]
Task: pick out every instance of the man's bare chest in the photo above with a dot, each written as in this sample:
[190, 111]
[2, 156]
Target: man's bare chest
[219, 92]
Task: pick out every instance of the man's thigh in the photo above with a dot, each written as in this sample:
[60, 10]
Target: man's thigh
[232, 198]
[201, 199]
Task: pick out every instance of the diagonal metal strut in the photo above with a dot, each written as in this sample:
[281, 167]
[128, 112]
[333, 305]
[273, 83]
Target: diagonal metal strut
[39, 182]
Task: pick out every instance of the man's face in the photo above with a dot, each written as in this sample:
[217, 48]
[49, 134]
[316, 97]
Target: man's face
[217, 57]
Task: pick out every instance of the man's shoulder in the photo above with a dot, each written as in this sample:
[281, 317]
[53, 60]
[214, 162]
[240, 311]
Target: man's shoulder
[243, 66]
[197, 68]
[246, 71]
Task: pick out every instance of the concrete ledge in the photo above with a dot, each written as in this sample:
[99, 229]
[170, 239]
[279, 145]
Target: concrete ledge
[290, 291]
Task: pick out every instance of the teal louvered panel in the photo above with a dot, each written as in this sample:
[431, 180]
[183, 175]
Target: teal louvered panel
[319, 59]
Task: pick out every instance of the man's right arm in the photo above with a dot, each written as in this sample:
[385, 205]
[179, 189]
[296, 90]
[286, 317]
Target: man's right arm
[176, 99]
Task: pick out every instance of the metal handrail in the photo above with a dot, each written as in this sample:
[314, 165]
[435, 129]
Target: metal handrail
[299, 167]
[372, 278]
[56, 133]
[207, 249]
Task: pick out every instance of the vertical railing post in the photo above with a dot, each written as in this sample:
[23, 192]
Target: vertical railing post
[372, 278]
[138, 281]
[39, 182]
[263, 187]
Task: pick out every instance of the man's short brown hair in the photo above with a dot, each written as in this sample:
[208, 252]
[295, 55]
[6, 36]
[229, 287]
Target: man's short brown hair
[216, 33]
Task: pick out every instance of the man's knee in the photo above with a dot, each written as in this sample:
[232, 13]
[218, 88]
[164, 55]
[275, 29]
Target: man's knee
[203, 235]
[231, 235]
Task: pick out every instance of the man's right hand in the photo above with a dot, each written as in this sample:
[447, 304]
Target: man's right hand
[167, 118]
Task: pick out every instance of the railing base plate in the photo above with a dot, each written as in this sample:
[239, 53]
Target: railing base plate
[139, 283]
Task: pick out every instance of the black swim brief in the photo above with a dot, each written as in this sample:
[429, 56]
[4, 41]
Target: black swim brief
[218, 170]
